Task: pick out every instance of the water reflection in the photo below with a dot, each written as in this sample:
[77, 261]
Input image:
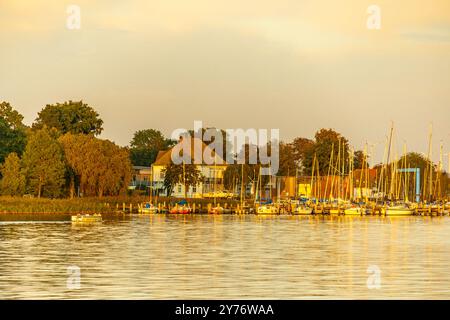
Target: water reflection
[200, 256]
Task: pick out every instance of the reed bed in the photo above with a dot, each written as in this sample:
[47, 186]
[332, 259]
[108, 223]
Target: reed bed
[89, 204]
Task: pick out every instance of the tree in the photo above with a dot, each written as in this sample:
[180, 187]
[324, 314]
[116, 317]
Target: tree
[98, 167]
[327, 140]
[287, 159]
[358, 159]
[12, 117]
[43, 164]
[188, 175]
[13, 181]
[11, 139]
[71, 116]
[302, 147]
[145, 146]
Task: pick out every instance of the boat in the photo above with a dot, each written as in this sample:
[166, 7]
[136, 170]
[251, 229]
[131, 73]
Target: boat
[267, 209]
[335, 210]
[87, 218]
[181, 210]
[397, 210]
[148, 208]
[219, 210]
[354, 211]
[303, 210]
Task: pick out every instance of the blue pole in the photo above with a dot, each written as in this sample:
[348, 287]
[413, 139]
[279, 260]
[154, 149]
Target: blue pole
[417, 172]
[417, 185]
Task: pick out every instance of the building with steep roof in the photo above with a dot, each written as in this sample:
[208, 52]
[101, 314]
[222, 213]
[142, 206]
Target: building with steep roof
[212, 174]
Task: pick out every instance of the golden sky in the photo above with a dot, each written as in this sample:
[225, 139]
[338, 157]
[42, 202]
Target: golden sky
[288, 64]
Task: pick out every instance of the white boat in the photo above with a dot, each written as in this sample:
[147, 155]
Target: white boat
[267, 209]
[148, 208]
[353, 211]
[303, 210]
[87, 218]
[399, 210]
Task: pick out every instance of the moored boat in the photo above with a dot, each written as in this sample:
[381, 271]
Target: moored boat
[267, 209]
[301, 210]
[219, 210]
[398, 210]
[354, 211]
[148, 208]
[181, 210]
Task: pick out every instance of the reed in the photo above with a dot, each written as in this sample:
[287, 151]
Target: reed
[89, 204]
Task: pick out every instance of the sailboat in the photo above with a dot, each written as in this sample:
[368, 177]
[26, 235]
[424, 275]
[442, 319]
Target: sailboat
[397, 210]
[354, 211]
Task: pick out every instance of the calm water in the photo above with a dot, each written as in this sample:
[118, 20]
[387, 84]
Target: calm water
[165, 257]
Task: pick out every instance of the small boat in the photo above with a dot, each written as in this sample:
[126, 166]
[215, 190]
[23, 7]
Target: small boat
[148, 208]
[303, 210]
[398, 210]
[267, 209]
[181, 210]
[219, 210]
[353, 211]
[87, 218]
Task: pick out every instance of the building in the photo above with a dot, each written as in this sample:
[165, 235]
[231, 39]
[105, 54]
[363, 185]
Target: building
[212, 174]
[141, 177]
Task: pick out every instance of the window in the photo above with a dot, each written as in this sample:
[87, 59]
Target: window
[179, 189]
[194, 189]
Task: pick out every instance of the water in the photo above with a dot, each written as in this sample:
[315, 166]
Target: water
[225, 257]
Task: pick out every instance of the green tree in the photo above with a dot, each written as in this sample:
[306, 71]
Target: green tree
[43, 164]
[11, 139]
[327, 140]
[12, 117]
[188, 175]
[71, 116]
[358, 159]
[13, 181]
[145, 146]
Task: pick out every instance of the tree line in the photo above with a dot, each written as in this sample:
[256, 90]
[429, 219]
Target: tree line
[59, 154]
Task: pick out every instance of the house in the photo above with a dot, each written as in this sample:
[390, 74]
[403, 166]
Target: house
[141, 177]
[212, 174]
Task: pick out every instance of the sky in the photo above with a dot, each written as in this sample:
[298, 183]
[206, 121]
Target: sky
[289, 64]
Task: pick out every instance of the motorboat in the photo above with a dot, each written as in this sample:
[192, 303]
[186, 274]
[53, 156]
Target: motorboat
[87, 218]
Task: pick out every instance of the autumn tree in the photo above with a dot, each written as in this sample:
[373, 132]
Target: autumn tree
[13, 180]
[187, 175]
[72, 116]
[98, 167]
[287, 164]
[145, 146]
[302, 148]
[43, 164]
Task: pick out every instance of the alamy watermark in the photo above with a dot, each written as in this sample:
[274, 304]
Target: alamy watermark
[374, 18]
[374, 279]
[73, 21]
[74, 278]
[232, 142]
